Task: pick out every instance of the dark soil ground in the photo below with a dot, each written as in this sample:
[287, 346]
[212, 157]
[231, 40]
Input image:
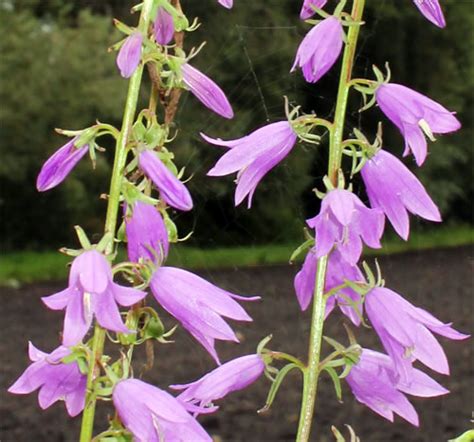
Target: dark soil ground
[440, 281]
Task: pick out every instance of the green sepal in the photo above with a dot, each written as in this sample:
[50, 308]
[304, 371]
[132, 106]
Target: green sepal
[301, 249]
[122, 27]
[82, 237]
[170, 227]
[139, 130]
[335, 380]
[340, 438]
[468, 436]
[276, 385]
[154, 328]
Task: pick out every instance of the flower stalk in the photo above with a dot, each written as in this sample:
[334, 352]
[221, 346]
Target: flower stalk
[111, 219]
[311, 373]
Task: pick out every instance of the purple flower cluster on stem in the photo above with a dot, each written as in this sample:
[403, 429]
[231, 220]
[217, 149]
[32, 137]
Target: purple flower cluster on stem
[55, 380]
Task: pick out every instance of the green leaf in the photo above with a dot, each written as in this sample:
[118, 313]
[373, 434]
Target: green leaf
[468, 436]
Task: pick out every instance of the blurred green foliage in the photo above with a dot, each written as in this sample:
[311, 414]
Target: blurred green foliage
[55, 72]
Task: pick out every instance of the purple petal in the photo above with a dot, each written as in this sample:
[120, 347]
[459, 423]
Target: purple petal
[58, 166]
[206, 91]
[432, 11]
[307, 11]
[130, 54]
[226, 3]
[341, 204]
[172, 190]
[59, 300]
[163, 27]
[245, 150]
[320, 49]
[305, 281]
[107, 313]
[92, 270]
[127, 296]
[76, 321]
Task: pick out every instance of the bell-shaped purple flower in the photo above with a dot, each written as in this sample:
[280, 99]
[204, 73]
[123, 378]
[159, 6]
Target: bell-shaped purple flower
[198, 305]
[163, 27]
[344, 222]
[91, 292]
[55, 380]
[374, 383]
[172, 190]
[307, 11]
[153, 415]
[147, 237]
[432, 11]
[338, 271]
[130, 54]
[395, 190]
[226, 3]
[407, 331]
[232, 376]
[415, 115]
[253, 156]
[58, 166]
[206, 91]
[320, 49]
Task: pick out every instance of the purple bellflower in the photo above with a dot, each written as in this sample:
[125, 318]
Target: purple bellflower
[415, 115]
[206, 91]
[163, 27]
[338, 270]
[91, 292]
[147, 237]
[198, 305]
[58, 165]
[172, 190]
[253, 156]
[407, 331]
[373, 381]
[344, 221]
[432, 11]
[226, 3]
[55, 380]
[153, 415]
[306, 9]
[320, 49]
[130, 54]
[232, 376]
[395, 190]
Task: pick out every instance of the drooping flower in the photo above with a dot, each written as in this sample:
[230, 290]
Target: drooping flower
[253, 156]
[153, 415]
[206, 91]
[147, 237]
[55, 380]
[232, 376]
[172, 190]
[91, 292]
[163, 27]
[226, 3]
[432, 11]
[130, 54]
[395, 190]
[374, 382]
[338, 270]
[306, 9]
[344, 221]
[407, 331]
[320, 49]
[198, 305]
[58, 166]
[415, 115]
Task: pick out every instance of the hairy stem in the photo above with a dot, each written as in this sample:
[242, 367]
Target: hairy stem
[111, 219]
[311, 375]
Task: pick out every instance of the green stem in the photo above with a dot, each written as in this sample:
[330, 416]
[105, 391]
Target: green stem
[335, 149]
[111, 219]
[311, 375]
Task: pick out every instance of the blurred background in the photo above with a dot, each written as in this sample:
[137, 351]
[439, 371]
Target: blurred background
[55, 71]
